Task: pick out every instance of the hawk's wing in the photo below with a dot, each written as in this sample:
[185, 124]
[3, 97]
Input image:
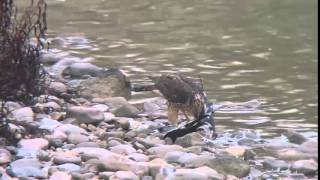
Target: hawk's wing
[176, 88]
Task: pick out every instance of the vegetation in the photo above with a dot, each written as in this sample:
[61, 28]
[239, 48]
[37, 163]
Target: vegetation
[21, 74]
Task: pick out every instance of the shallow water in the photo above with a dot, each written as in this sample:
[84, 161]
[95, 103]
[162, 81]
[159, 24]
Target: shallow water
[243, 50]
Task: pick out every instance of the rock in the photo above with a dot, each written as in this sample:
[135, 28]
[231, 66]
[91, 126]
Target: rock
[85, 114]
[70, 129]
[198, 173]
[11, 106]
[48, 124]
[161, 151]
[5, 156]
[88, 144]
[60, 175]
[151, 107]
[110, 161]
[101, 107]
[77, 70]
[115, 102]
[123, 149]
[191, 139]
[113, 84]
[274, 164]
[127, 110]
[124, 175]
[66, 157]
[57, 88]
[138, 157]
[246, 142]
[186, 157]
[195, 161]
[249, 155]
[147, 178]
[236, 150]
[173, 156]
[52, 106]
[105, 175]
[307, 167]
[310, 147]
[24, 114]
[158, 165]
[293, 154]
[229, 165]
[113, 142]
[70, 167]
[108, 116]
[77, 138]
[24, 168]
[37, 143]
[295, 137]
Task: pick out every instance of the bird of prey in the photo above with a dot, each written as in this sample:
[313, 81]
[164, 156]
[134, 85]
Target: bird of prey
[183, 94]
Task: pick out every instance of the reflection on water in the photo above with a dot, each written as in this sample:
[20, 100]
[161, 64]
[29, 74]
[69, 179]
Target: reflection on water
[242, 49]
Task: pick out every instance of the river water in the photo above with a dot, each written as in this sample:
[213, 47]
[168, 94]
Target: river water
[243, 50]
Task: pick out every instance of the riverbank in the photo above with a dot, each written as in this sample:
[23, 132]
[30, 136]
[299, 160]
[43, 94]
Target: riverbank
[85, 128]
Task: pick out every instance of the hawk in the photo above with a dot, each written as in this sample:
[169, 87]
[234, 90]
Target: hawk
[183, 94]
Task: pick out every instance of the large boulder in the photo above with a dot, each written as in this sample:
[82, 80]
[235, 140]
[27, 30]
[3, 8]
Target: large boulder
[113, 83]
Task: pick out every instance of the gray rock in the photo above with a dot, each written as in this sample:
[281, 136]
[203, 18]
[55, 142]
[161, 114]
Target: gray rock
[191, 139]
[105, 175]
[11, 105]
[125, 175]
[70, 129]
[85, 114]
[5, 156]
[293, 154]
[230, 165]
[246, 142]
[88, 144]
[161, 151]
[77, 70]
[48, 124]
[62, 159]
[77, 138]
[27, 168]
[249, 155]
[295, 137]
[69, 167]
[127, 110]
[138, 157]
[57, 88]
[113, 84]
[307, 167]
[123, 149]
[101, 107]
[151, 107]
[195, 174]
[310, 147]
[274, 164]
[196, 161]
[24, 114]
[115, 102]
[147, 178]
[36, 143]
[173, 156]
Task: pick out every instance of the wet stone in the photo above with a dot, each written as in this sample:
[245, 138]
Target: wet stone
[274, 164]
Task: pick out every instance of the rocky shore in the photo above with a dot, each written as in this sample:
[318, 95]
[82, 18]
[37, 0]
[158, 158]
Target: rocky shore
[85, 128]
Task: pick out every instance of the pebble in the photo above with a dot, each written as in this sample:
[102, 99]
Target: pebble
[192, 139]
[124, 175]
[24, 114]
[5, 156]
[77, 138]
[274, 164]
[24, 168]
[161, 151]
[123, 149]
[60, 175]
[307, 167]
[127, 110]
[84, 114]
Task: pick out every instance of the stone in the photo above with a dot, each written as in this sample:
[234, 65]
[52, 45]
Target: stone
[186, 157]
[295, 137]
[77, 138]
[127, 110]
[101, 107]
[310, 147]
[191, 139]
[113, 84]
[161, 151]
[23, 168]
[11, 106]
[113, 142]
[193, 174]
[110, 161]
[246, 142]
[236, 150]
[24, 114]
[196, 161]
[173, 156]
[274, 164]
[70, 167]
[5, 156]
[138, 157]
[123, 149]
[66, 157]
[293, 154]
[36, 143]
[151, 107]
[70, 129]
[52, 106]
[249, 155]
[105, 175]
[158, 165]
[125, 175]
[88, 144]
[60, 175]
[48, 124]
[81, 69]
[57, 88]
[115, 102]
[85, 114]
[229, 165]
[307, 167]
